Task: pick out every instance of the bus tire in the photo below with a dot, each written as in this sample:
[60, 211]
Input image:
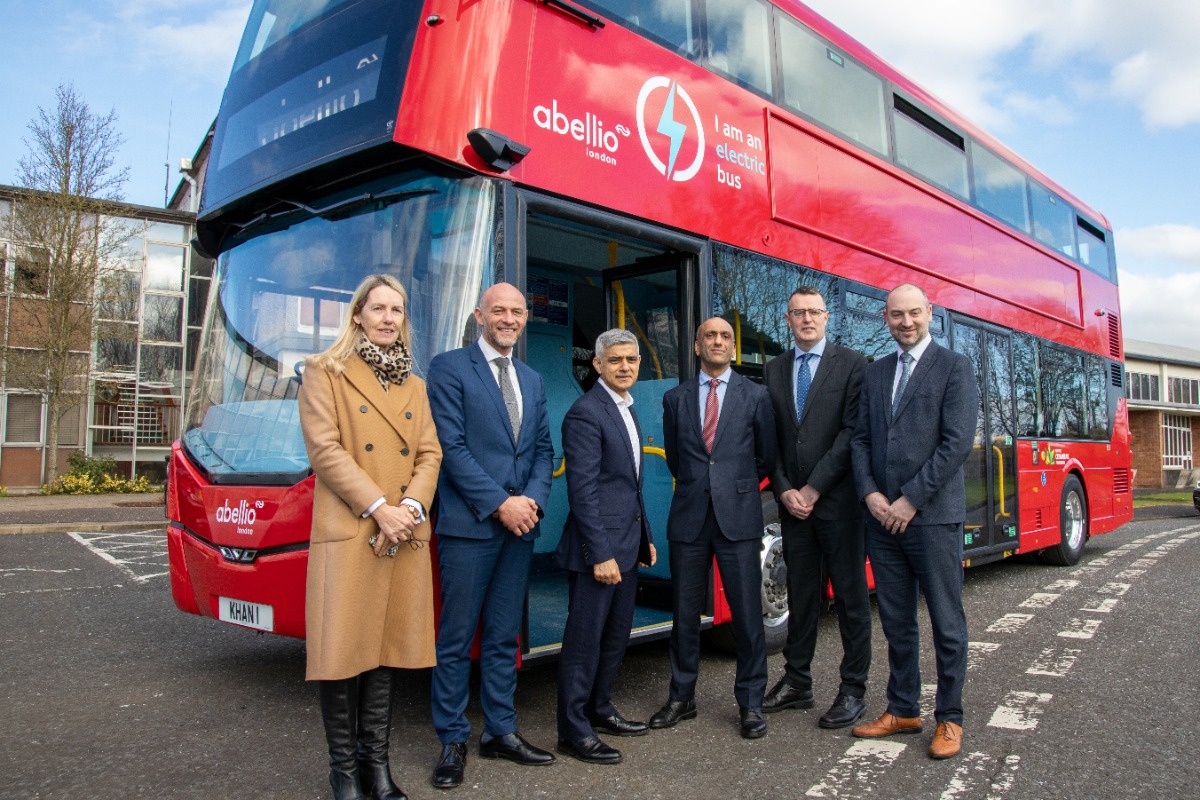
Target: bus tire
[772, 590]
[1073, 524]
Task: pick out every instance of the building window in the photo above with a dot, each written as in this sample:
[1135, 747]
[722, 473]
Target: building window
[1183, 391]
[23, 419]
[1141, 386]
[1177, 441]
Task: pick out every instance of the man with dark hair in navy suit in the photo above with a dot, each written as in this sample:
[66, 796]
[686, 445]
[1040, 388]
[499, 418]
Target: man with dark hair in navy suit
[497, 458]
[605, 538]
[916, 428]
[719, 436]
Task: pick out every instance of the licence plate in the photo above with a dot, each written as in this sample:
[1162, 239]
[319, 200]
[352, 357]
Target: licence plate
[241, 612]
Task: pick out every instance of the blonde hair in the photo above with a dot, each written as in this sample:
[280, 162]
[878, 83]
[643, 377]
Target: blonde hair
[334, 359]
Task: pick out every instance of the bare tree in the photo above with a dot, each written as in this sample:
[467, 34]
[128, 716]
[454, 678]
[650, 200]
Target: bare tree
[68, 241]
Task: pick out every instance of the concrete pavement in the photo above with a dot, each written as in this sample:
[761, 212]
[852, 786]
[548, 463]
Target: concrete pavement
[94, 512]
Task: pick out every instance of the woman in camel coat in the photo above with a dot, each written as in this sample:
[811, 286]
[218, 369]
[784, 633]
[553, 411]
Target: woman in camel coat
[373, 446]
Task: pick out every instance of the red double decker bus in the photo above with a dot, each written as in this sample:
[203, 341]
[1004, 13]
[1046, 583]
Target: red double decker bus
[627, 164]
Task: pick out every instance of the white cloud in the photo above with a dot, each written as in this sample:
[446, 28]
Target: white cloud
[1160, 283]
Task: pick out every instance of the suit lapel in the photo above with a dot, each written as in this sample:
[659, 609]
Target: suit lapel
[733, 398]
[616, 422]
[362, 377]
[823, 369]
[483, 370]
[924, 366]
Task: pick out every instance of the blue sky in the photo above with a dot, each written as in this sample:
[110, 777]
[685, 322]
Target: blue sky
[1101, 95]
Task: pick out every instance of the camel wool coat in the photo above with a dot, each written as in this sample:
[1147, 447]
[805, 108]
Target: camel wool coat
[363, 611]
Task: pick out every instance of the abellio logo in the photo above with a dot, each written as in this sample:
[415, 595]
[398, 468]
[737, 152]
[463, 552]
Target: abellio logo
[241, 514]
[600, 142]
[670, 133]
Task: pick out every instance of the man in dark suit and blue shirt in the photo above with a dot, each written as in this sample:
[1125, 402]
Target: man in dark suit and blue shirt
[605, 538]
[916, 427]
[719, 436]
[814, 390]
[497, 458]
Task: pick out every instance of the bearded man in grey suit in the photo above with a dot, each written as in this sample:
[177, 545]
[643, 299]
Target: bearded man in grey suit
[814, 390]
[916, 427]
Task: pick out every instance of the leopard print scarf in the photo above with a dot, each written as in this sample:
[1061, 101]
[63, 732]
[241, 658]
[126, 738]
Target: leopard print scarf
[393, 365]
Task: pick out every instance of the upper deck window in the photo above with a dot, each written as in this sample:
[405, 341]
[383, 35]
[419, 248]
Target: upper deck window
[827, 86]
[739, 41]
[1000, 188]
[669, 22]
[1053, 220]
[272, 20]
[1093, 250]
[928, 147]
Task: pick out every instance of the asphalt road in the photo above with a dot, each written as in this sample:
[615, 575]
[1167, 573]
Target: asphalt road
[1082, 684]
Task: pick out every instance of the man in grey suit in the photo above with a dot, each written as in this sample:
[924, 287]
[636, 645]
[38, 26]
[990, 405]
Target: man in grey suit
[916, 427]
[719, 436]
[814, 391]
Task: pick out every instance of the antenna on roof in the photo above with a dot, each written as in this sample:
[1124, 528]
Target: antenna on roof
[167, 156]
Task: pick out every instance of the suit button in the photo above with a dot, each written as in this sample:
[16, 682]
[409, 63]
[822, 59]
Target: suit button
[403, 489]
[363, 409]
[370, 447]
[404, 451]
[638, 518]
[408, 415]
[512, 490]
[711, 463]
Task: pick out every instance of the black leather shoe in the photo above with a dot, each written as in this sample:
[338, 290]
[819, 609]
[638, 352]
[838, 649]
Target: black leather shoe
[674, 711]
[753, 724]
[450, 767]
[619, 726]
[513, 747]
[589, 749]
[784, 695]
[844, 712]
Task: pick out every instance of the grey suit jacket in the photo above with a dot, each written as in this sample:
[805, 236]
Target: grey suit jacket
[743, 454]
[920, 454]
[816, 450]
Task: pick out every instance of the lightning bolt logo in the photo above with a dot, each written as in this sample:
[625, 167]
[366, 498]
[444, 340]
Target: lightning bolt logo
[673, 130]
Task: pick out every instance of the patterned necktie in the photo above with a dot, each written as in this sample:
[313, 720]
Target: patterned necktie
[510, 397]
[803, 381]
[906, 359]
[711, 411]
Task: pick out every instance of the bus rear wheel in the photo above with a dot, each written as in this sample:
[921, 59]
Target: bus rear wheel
[1072, 523]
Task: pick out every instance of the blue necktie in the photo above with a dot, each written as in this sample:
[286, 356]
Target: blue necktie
[803, 381]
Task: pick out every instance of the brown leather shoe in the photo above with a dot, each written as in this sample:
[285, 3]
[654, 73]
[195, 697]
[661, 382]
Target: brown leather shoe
[886, 726]
[947, 740]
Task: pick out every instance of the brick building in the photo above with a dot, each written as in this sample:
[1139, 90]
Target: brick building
[1163, 387]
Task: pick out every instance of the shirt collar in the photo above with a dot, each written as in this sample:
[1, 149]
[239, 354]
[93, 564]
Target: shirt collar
[918, 349]
[704, 377]
[490, 353]
[817, 350]
[620, 401]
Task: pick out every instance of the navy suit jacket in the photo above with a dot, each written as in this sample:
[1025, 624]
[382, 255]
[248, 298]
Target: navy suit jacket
[481, 464]
[919, 454]
[608, 515]
[743, 454]
[816, 450]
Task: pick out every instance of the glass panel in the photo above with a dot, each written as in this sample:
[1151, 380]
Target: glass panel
[23, 421]
[1002, 427]
[164, 267]
[835, 91]
[434, 234]
[976, 533]
[162, 318]
[1053, 220]
[167, 232]
[929, 156]
[201, 267]
[1093, 252]
[117, 295]
[1000, 188]
[1025, 378]
[116, 348]
[29, 273]
[272, 20]
[1063, 390]
[161, 365]
[739, 41]
[865, 329]
[68, 427]
[1096, 400]
[198, 300]
[668, 22]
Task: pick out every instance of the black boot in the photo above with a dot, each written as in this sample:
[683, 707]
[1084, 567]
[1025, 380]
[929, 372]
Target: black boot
[339, 709]
[375, 726]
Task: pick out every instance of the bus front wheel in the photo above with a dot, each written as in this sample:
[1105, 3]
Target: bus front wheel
[772, 590]
[1072, 523]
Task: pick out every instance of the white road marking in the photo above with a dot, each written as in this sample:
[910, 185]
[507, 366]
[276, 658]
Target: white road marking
[1051, 661]
[859, 770]
[1009, 623]
[975, 772]
[1081, 629]
[63, 589]
[4, 571]
[1101, 606]
[1039, 600]
[1019, 711]
[1061, 585]
[1116, 589]
[977, 650]
[1129, 574]
[142, 554]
